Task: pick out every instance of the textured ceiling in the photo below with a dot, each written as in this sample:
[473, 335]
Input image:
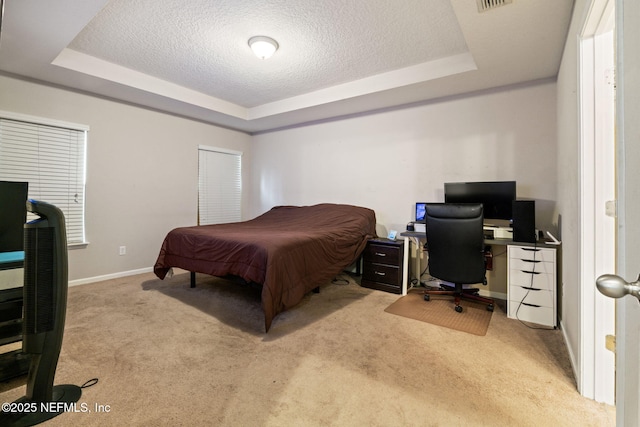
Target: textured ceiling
[336, 57]
[202, 43]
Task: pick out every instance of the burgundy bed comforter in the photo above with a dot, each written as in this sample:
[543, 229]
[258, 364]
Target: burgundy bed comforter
[290, 250]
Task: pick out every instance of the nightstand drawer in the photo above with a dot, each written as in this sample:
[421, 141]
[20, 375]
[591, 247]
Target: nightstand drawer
[383, 273]
[383, 254]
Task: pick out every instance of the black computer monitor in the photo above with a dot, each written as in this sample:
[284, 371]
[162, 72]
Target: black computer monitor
[496, 196]
[13, 215]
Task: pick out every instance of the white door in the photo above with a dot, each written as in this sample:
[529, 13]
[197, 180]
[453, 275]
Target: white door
[628, 190]
[628, 126]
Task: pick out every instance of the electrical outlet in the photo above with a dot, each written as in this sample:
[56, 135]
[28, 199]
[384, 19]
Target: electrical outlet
[123, 250]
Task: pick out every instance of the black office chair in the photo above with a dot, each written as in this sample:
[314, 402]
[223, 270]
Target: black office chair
[455, 242]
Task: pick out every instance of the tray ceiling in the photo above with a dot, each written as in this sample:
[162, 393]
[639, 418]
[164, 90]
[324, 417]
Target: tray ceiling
[335, 57]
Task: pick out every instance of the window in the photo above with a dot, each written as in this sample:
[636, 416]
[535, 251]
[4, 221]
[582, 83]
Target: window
[219, 185]
[50, 156]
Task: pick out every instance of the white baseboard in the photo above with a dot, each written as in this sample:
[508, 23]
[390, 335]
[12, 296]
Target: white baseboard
[572, 359]
[110, 276]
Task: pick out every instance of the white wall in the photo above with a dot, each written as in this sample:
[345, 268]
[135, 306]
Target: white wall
[142, 172]
[389, 161]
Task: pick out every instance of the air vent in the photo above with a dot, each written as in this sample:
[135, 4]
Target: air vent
[485, 5]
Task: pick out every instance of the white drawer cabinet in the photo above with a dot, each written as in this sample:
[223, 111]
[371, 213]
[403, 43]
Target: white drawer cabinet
[531, 284]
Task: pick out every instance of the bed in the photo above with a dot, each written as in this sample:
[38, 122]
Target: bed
[289, 250]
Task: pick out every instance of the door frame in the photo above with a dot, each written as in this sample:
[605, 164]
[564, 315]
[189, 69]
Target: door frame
[596, 374]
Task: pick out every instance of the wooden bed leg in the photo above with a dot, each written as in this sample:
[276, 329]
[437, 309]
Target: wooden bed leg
[316, 290]
[193, 279]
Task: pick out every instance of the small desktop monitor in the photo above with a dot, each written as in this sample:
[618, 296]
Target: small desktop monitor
[421, 212]
[496, 196]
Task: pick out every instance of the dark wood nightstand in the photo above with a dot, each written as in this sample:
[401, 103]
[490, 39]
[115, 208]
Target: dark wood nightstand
[382, 265]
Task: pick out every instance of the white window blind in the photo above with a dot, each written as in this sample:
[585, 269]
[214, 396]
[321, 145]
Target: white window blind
[52, 160]
[219, 185]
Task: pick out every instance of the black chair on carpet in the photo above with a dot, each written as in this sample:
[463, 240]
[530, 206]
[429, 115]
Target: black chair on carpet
[455, 243]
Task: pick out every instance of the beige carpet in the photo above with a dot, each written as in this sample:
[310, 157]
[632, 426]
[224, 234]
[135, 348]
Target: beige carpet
[474, 318]
[168, 355]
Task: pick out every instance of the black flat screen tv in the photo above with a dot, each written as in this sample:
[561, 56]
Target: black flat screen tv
[496, 196]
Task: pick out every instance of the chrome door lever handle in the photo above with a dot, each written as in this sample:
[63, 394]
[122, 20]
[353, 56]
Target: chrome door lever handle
[616, 287]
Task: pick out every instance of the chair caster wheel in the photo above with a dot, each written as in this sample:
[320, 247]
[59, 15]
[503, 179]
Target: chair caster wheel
[490, 307]
[458, 309]
[427, 297]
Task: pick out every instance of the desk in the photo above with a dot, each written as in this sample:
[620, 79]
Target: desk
[11, 259]
[11, 281]
[11, 271]
[12, 363]
[531, 277]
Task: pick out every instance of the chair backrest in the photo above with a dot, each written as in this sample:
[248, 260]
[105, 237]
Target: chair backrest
[455, 240]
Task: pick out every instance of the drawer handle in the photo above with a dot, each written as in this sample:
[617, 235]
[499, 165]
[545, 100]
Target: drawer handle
[530, 289]
[530, 272]
[532, 260]
[530, 249]
[531, 305]
[380, 254]
[379, 274]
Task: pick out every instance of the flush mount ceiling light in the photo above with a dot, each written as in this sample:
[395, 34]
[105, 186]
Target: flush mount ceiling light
[263, 46]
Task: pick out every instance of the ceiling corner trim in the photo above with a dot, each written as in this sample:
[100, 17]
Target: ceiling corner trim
[96, 67]
[89, 65]
[426, 71]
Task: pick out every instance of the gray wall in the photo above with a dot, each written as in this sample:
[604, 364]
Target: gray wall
[142, 165]
[142, 173]
[389, 161]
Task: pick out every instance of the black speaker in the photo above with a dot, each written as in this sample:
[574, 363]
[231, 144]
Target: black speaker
[524, 221]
